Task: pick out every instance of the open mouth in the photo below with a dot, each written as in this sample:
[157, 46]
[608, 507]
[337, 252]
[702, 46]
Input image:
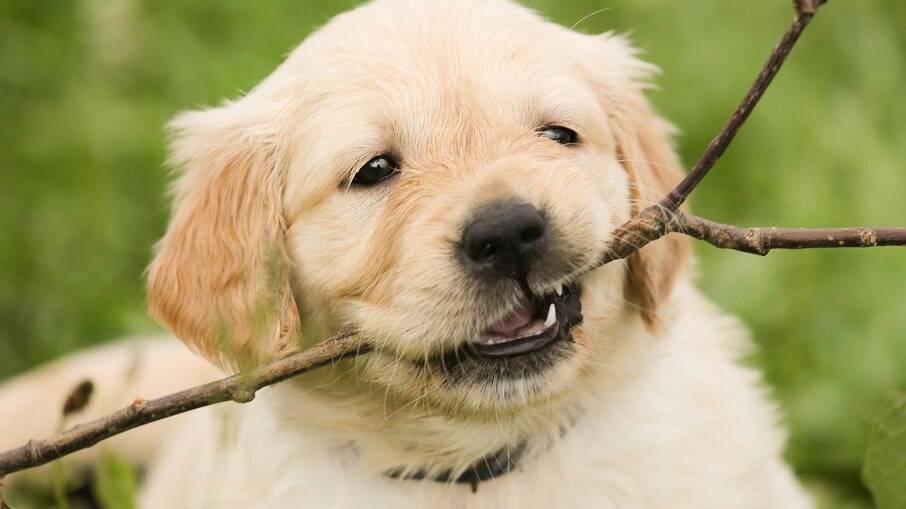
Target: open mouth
[536, 324]
[530, 340]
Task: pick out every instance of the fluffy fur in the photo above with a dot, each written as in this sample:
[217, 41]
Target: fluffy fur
[269, 243]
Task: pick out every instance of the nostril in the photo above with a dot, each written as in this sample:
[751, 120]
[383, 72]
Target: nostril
[481, 246]
[488, 251]
[531, 232]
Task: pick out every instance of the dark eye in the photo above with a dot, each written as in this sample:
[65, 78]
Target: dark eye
[376, 171]
[561, 135]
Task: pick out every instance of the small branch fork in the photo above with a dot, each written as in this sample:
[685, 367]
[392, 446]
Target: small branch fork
[651, 224]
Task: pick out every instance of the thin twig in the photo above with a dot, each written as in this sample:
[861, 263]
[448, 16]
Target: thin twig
[665, 217]
[808, 6]
[761, 241]
[649, 224]
[240, 388]
[719, 145]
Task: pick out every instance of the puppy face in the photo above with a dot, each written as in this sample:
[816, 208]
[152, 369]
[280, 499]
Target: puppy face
[436, 175]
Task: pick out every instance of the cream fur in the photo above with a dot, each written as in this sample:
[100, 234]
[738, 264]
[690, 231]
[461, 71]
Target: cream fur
[652, 410]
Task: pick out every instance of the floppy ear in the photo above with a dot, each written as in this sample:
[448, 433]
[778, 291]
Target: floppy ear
[644, 149]
[219, 279]
[654, 170]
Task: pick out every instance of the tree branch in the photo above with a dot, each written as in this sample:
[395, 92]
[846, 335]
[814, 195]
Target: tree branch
[805, 11]
[761, 241]
[240, 388]
[664, 217]
[651, 224]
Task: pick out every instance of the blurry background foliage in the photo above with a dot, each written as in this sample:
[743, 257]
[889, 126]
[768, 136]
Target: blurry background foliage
[86, 85]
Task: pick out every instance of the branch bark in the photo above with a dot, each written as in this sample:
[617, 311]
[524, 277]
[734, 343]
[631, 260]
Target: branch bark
[805, 11]
[240, 388]
[761, 241]
[664, 217]
[651, 224]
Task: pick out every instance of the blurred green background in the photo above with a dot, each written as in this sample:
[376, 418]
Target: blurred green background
[86, 85]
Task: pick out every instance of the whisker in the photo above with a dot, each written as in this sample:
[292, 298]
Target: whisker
[589, 16]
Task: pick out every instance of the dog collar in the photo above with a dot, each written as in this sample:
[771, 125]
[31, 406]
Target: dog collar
[488, 468]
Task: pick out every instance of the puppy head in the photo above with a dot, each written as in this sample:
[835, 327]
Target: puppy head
[435, 175]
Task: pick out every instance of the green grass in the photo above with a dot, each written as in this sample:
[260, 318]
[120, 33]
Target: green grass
[86, 85]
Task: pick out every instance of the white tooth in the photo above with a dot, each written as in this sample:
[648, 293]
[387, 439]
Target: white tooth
[551, 316]
[559, 289]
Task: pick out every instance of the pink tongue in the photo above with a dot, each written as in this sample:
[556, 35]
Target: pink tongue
[512, 323]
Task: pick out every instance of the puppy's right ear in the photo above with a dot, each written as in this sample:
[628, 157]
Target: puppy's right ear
[219, 279]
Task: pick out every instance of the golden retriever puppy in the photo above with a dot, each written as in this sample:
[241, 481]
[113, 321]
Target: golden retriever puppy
[439, 175]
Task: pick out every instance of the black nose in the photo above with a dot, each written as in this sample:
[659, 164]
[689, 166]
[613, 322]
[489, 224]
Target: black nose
[503, 239]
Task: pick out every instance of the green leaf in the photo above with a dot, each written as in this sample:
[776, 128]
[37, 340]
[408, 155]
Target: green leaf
[115, 484]
[885, 461]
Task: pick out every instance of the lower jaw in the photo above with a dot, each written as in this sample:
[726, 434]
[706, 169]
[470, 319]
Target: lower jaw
[473, 389]
[467, 367]
[498, 390]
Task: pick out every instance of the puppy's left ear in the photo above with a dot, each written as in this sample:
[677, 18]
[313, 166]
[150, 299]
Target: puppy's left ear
[653, 168]
[220, 279]
[644, 149]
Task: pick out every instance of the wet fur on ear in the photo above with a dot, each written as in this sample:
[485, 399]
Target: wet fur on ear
[219, 279]
[644, 149]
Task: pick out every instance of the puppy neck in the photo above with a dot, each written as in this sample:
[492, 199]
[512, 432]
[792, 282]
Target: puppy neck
[411, 438]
